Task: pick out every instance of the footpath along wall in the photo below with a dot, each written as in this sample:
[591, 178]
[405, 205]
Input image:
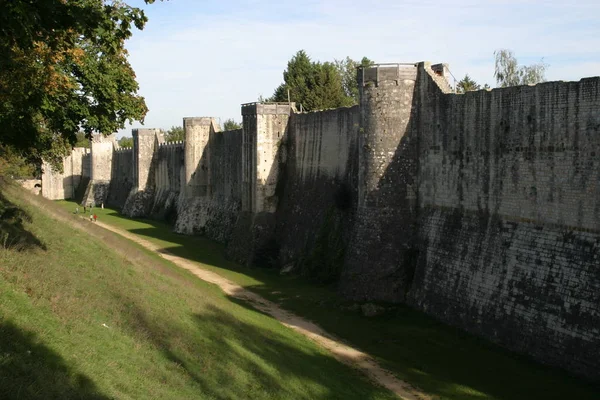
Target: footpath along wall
[482, 209]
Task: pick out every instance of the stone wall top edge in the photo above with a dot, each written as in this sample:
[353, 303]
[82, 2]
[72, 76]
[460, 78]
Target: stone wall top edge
[268, 108]
[594, 80]
[145, 131]
[172, 144]
[231, 131]
[100, 138]
[327, 110]
[198, 120]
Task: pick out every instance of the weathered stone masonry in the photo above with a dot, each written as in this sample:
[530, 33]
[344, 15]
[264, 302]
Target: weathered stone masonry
[482, 209]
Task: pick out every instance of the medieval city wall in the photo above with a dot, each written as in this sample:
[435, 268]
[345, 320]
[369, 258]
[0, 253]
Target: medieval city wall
[509, 216]
[58, 185]
[481, 209]
[210, 196]
[169, 175]
[319, 190]
[121, 180]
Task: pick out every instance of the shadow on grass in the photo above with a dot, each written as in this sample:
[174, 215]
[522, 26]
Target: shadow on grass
[13, 234]
[442, 360]
[229, 357]
[30, 370]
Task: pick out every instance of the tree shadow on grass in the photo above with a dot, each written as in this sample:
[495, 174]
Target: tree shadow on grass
[30, 370]
[13, 234]
[443, 360]
[239, 356]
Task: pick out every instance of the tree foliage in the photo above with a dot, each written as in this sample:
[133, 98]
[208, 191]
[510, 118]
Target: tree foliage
[509, 73]
[64, 68]
[126, 141]
[347, 68]
[317, 85]
[82, 140]
[15, 165]
[467, 84]
[231, 125]
[175, 134]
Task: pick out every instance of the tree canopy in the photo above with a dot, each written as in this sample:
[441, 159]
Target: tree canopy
[509, 73]
[347, 69]
[317, 85]
[230, 125]
[125, 141]
[64, 69]
[467, 84]
[175, 134]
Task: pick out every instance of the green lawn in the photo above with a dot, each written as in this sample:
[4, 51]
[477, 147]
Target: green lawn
[443, 361]
[81, 321]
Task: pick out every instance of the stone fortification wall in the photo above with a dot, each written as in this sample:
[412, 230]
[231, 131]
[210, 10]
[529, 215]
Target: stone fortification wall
[264, 134]
[210, 196]
[121, 181]
[169, 175]
[380, 262]
[509, 220]
[140, 199]
[64, 185]
[101, 159]
[482, 209]
[319, 191]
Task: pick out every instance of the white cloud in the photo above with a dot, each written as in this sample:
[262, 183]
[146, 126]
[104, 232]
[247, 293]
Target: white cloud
[208, 59]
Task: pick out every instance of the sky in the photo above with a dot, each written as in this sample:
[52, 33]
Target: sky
[200, 58]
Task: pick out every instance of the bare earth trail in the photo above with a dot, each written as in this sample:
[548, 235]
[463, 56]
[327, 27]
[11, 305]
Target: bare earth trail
[342, 352]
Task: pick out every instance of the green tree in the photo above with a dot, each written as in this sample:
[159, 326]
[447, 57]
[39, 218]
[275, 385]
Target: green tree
[82, 140]
[509, 73]
[175, 134]
[63, 67]
[14, 164]
[467, 84]
[314, 85]
[347, 68]
[126, 141]
[231, 125]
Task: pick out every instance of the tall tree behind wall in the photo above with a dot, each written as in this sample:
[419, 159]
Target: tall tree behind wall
[175, 134]
[231, 125]
[318, 86]
[508, 72]
[347, 68]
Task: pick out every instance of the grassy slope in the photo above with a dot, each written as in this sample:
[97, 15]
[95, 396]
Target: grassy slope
[442, 360]
[78, 320]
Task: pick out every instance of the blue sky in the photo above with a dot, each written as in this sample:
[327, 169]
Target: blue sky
[205, 58]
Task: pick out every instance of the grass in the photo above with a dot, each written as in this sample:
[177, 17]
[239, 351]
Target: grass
[79, 319]
[444, 361]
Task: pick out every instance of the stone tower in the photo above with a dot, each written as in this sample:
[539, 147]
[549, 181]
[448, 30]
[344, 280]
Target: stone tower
[381, 256]
[198, 131]
[265, 126]
[140, 199]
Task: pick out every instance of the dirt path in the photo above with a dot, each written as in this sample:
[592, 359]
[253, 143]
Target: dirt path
[340, 351]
